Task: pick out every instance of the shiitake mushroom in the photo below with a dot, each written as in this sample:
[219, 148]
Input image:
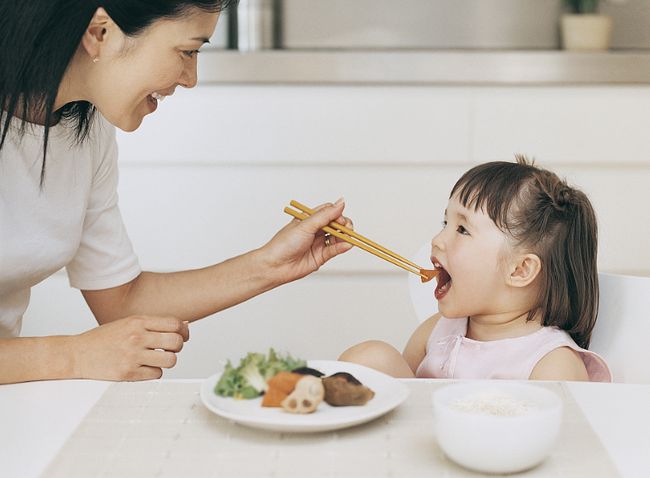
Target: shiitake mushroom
[343, 389]
[308, 371]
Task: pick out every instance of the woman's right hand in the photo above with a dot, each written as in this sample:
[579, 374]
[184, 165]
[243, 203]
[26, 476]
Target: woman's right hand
[133, 348]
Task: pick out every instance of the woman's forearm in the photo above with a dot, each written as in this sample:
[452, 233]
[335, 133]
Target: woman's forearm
[295, 251]
[188, 295]
[36, 358]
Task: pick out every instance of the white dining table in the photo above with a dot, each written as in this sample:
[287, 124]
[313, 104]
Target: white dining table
[38, 418]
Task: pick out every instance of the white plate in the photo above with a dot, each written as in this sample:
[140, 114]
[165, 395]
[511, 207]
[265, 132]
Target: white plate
[389, 393]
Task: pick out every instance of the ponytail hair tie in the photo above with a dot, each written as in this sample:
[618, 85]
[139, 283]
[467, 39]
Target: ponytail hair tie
[563, 198]
[560, 197]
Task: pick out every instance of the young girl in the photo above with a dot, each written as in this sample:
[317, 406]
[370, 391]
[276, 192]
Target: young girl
[517, 286]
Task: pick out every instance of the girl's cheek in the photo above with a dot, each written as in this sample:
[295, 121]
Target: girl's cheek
[453, 254]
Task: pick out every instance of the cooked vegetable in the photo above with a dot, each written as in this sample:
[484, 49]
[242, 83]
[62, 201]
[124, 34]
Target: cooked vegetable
[253, 377]
[308, 371]
[249, 379]
[307, 395]
[342, 389]
[280, 386]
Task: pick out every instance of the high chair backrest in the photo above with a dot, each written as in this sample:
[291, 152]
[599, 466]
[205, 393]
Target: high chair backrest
[622, 332]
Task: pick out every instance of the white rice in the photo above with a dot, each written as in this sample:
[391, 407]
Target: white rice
[494, 403]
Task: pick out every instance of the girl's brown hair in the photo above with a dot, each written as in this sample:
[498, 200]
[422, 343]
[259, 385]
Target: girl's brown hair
[549, 218]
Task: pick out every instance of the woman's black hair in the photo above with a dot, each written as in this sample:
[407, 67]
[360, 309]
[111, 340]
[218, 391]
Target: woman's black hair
[38, 39]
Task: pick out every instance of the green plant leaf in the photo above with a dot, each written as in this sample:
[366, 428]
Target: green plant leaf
[582, 6]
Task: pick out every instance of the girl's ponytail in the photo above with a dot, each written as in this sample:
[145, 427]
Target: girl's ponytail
[568, 248]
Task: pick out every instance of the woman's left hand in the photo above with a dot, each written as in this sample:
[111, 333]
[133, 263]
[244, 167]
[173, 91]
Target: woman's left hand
[301, 247]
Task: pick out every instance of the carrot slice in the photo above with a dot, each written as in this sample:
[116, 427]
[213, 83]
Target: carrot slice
[285, 381]
[273, 397]
[280, 386]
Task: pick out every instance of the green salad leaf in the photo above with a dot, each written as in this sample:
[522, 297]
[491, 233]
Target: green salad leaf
[249, 379]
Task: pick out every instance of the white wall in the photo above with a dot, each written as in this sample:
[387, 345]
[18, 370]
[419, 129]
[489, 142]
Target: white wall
[207, 177]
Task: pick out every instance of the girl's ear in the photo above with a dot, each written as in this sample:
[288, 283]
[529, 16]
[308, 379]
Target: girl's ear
[524, 271]
[95, 35]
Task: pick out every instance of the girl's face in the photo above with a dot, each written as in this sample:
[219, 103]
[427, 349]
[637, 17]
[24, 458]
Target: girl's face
[471, 250]
[131, 73]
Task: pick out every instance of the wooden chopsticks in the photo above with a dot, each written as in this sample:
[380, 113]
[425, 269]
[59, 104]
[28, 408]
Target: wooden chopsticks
[356, 239]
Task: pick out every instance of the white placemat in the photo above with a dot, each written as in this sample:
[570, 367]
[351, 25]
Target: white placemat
[161, 429]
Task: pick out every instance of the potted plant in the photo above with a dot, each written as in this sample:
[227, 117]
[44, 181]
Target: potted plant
[583, 28]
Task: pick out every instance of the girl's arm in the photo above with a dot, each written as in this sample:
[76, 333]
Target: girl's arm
[562, 363]
[416, 348]
[296, 250]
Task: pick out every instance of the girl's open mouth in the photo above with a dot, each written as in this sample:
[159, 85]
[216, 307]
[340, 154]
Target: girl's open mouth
[444, 281]
[152, 102]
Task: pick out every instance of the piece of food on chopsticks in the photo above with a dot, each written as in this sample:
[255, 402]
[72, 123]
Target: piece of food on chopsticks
[250, 378]
[343, 389]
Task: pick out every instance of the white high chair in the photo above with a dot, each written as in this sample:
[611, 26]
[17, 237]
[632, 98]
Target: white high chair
[622, 330]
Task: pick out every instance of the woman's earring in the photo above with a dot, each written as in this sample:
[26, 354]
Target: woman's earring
[96, 59]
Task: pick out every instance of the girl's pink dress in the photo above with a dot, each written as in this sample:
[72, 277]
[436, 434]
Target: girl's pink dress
[452, 355]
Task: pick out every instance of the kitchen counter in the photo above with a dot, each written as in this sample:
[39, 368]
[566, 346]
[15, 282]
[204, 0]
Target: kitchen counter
[424, 67]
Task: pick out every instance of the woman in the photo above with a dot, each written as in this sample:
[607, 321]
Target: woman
[71, 71]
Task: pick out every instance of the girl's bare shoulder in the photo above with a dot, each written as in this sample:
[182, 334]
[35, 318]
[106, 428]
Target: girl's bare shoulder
[562, 363]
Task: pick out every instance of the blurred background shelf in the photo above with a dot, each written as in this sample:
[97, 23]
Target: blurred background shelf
[418, 24]
[420, 42]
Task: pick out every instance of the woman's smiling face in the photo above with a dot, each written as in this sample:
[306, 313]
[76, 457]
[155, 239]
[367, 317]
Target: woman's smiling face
[471, 250]
[129, 70]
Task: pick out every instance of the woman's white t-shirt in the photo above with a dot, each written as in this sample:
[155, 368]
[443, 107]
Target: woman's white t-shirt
[73, 221]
